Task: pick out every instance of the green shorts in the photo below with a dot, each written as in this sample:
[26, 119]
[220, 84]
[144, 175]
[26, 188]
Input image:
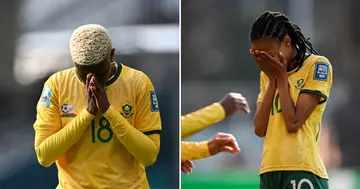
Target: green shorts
[292, 180]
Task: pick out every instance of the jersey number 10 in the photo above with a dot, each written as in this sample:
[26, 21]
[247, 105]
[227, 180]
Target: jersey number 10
[276, 105]
[104, 127]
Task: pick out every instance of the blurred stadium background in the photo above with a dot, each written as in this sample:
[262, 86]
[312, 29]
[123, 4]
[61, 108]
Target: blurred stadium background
[35, 36]
[216, 60]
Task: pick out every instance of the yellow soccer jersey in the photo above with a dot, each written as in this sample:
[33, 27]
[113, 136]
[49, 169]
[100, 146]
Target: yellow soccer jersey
[283, 151]
[102, 151]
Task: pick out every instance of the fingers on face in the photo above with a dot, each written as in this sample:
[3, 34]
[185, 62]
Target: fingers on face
[264, 55]
[93, 84]
[282, 58]
[88, 82]
[252, 52]
[273, 60]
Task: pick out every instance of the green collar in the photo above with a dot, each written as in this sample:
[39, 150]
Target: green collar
[116, 75]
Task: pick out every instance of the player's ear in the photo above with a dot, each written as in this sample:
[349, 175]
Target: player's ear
[287, 41]
[112, 54]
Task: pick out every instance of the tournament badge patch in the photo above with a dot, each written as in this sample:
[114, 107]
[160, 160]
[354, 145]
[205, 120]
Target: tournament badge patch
[299, 84]
[68, 110]
[45, 97]
[127, 111]
[321, 71]
[154, 102]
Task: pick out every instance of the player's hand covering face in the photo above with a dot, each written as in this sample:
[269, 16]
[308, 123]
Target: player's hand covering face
[234, 102]
[263, 65]
[269, 55]
[223, 142]
[99, 90]
[90, 97]
[187, 166]
[277, 66]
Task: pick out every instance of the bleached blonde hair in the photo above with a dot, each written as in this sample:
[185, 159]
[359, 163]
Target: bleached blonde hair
[90, 44]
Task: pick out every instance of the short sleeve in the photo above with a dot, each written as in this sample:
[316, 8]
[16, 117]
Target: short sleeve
[48, 115]
[147, 118]
[262, 87]
[319, 80]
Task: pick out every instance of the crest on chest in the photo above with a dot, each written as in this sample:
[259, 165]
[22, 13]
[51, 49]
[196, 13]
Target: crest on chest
[127, 111]
[299, 84]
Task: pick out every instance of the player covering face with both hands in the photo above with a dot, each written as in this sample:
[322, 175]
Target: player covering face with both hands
[98, 121]
[295, 83]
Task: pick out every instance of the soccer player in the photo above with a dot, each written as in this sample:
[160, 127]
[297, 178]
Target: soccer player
[295, 84]
[203, 118]
[99, 121]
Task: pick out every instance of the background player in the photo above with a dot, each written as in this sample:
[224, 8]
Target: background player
[99, 121]
[195, 122]
[294, 90]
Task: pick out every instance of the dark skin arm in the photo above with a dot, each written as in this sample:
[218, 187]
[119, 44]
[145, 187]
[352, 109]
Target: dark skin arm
[263, 108]
[294, 116]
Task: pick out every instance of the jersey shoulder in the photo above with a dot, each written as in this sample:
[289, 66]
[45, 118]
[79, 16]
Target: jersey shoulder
[138, 77]
[60, 77]
[317, 67]
[317, 59]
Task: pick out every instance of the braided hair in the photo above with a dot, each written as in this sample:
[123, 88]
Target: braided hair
[278, 25]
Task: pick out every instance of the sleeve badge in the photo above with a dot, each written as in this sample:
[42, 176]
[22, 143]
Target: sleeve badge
[154, 102]
[321, 71]
[45, 97]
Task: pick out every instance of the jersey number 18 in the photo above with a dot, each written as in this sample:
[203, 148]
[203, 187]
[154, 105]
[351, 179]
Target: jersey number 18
[104, 127]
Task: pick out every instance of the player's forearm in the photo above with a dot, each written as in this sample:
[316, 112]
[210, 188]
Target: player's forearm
[287, 106]
[201, 119]
[55, 145]
[143, 148]
[194, 150]
[262, 114]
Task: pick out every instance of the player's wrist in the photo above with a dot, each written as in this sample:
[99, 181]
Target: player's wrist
[104, 107]
[103, 104]
[91, 111]
[283, 79]
[212, 147]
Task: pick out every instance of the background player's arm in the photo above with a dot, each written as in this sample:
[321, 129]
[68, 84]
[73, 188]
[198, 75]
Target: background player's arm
[143, 140]
[222, 142]
[315, 92]
[201, 119]
[194, 150]
[51, 141]
[263, 108]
